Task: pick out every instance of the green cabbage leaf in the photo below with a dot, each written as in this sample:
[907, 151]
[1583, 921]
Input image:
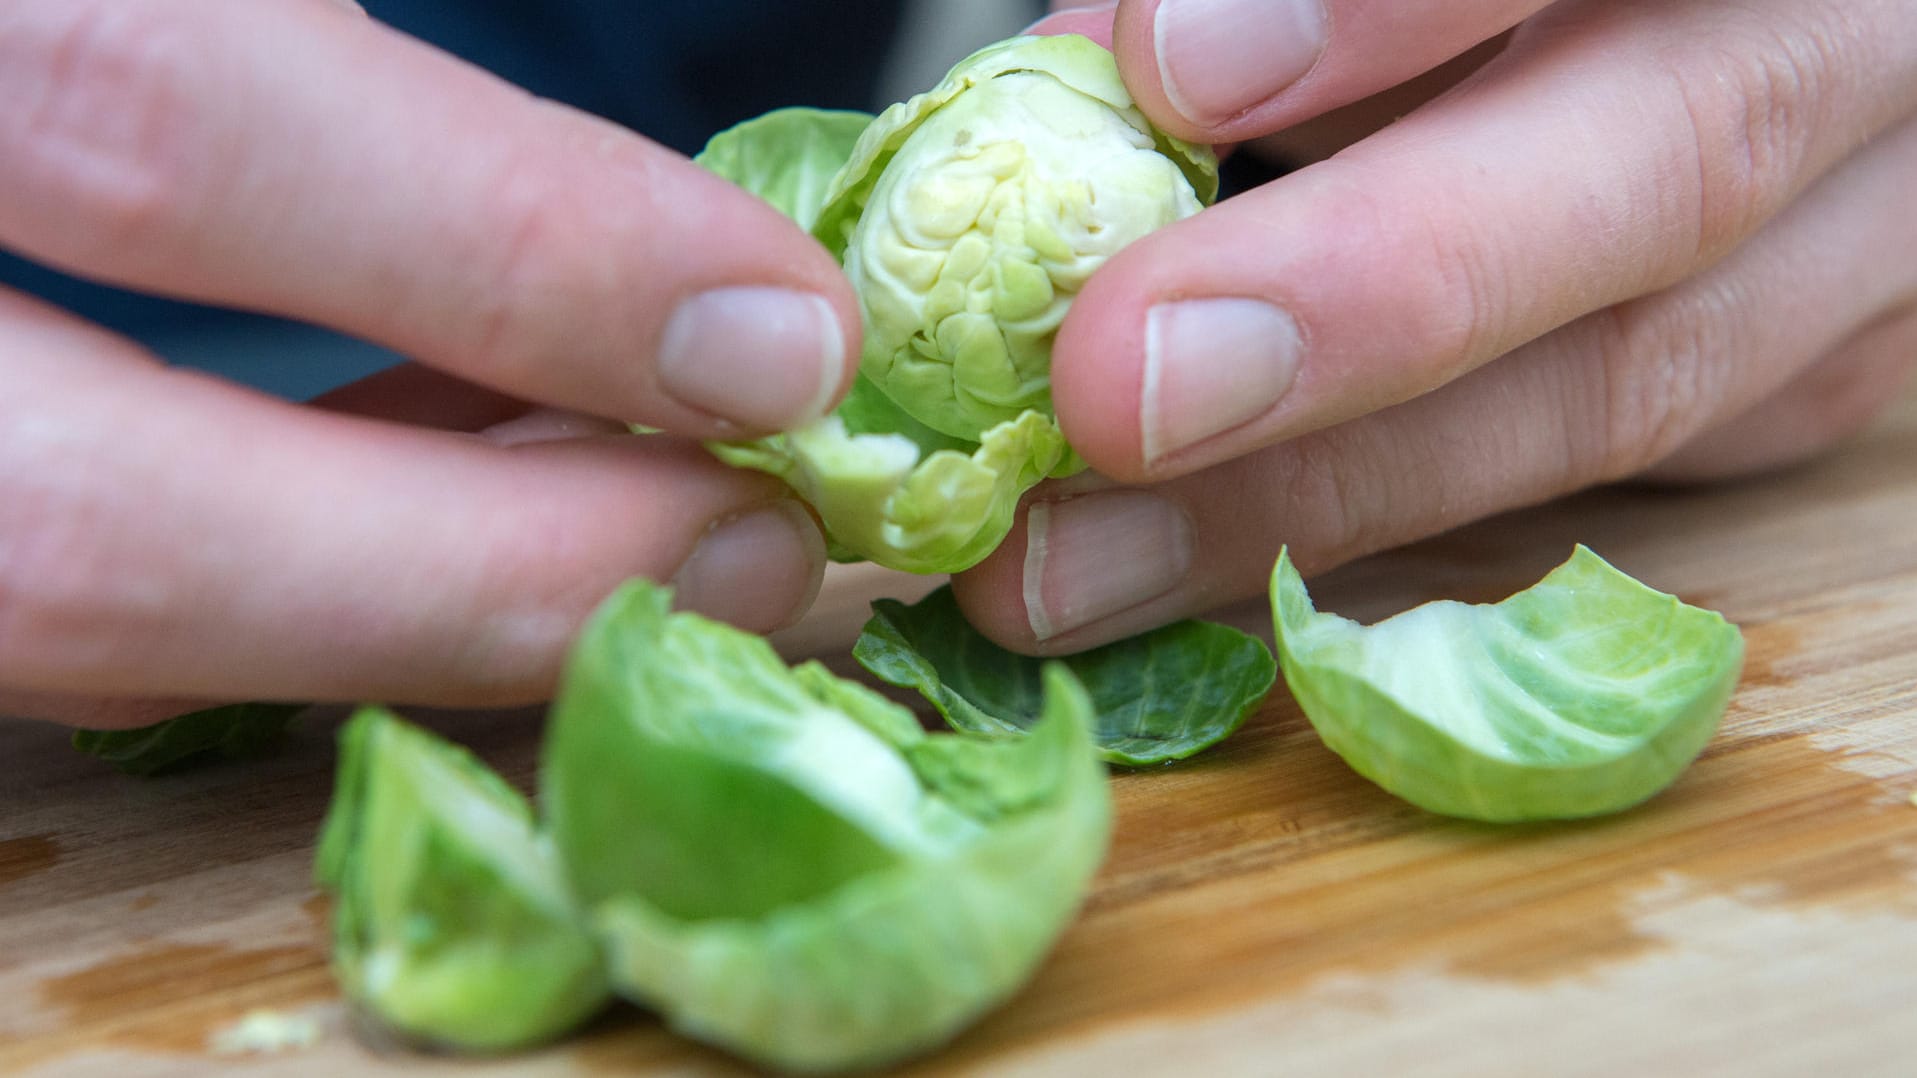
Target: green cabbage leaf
[452, 924]
[1584, 694]
[784, 863]
[893, 491]
[787, 156]
[1156, 697]
[183, 742]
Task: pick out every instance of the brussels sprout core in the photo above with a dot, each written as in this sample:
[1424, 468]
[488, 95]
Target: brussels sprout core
[980, 231]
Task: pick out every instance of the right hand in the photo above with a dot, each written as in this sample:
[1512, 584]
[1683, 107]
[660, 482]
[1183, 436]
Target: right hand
[1656, 240]
[167, 537]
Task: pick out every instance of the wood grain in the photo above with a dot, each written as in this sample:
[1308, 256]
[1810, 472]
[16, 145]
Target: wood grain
[1263, 909]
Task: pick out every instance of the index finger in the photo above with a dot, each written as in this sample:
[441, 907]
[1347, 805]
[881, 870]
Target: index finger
[167, 534]
[1230, 70]
[1610, 152]
[306, 161]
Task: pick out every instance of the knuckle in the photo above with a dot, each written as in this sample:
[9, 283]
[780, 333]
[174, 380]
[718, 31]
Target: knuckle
[520, 284]
[1850, 388]
[111, 124]
[1463, 299]
[53, 550]
[1753, 98]
[1351, 490]
[1660, 370]
[1453, 298]
[574, 222]
[1332, 496]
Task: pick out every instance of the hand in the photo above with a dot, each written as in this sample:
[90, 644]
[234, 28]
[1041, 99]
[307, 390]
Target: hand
[166, 535]
[1666, 239]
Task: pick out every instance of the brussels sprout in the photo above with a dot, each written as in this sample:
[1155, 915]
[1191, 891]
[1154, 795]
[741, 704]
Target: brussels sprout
[973, 213]
[1583, 694]
[451, 923]
[1158, 696]
[784, 863]
[967, 219]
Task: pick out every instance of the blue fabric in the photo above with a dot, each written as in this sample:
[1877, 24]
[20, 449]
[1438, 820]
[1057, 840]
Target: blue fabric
[676, 71]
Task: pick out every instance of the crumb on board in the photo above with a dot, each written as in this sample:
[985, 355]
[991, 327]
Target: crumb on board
[264, 1032]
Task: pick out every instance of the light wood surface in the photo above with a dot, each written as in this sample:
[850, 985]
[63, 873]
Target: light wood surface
[1263, 910]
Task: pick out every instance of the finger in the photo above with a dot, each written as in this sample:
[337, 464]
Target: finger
[1610, 151]
[1322, 126]
[1092, 20]
[1325, 134]
[423, 397]
[1826, 404]
[550, 425]
[91, 712]
[167, 534]
[1601, 399]
[292, 159]
[1229, 70]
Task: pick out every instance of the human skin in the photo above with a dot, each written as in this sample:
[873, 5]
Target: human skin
[1654, 239]
[437, 533]
[1665, 240]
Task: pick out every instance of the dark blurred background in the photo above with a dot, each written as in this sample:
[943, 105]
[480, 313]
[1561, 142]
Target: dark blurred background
[675, 70]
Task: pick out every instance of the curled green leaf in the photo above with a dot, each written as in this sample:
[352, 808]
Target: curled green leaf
[451, 921]
[900, 494]
[1581, 695]
[228, 732]
[783, 863]
[1159, 696]
[787, 157]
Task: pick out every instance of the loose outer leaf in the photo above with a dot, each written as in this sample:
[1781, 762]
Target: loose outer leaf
[228, 732]
[783, 863]
[1583, 694]
[451, 922]
[1159, 696]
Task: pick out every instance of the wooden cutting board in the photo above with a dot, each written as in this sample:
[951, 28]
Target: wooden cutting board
[1263, 909]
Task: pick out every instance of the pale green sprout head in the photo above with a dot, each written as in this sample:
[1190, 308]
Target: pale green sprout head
[991, 217]
[967, 218]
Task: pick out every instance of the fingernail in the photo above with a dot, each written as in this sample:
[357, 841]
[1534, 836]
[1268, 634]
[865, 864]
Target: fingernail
[1089, 557]
[548, 425]
[765, 358]
[1217, 58]
[1211, 365]
[758, 570]
[1066, 19]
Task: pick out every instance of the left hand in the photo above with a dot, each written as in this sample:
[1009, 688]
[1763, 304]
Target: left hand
[1666, 238]
[435, 534]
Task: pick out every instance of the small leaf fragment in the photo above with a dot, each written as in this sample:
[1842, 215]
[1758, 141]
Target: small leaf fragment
[1159, 696]
[227, 732]
[787, 156]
